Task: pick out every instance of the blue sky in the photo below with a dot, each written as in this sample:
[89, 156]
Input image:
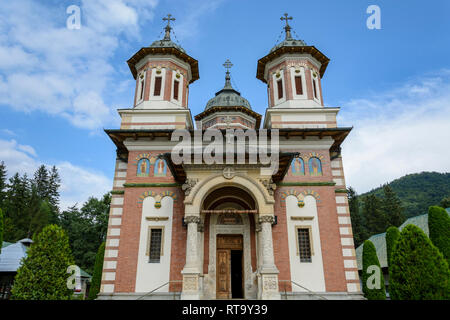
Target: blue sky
[59, 88]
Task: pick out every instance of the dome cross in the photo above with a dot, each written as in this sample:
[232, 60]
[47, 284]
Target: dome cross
[168, 27]
[287, 28]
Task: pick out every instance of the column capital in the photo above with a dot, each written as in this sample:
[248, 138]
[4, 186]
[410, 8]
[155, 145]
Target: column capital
[266, 219]
[192, 219]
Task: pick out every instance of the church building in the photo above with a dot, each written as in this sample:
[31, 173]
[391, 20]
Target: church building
[198, 230]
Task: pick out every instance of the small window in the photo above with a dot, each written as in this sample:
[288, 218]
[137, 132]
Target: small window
[155, 245]
[176, 86]
[304, 244]
[157, 91]
[142, 89]
[298, 85]
[280, 89]
[315, 88]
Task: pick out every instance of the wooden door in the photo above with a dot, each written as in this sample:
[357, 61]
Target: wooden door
[223, 283]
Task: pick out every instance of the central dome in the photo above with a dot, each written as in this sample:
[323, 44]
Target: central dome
[228, 97]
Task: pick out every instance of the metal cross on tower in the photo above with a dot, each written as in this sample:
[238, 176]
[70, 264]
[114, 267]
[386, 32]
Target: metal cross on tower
[168, 27]
[168, 19]
[228, 65]
[287, 28]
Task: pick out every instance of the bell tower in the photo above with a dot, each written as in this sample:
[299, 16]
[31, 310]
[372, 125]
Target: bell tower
[163, 72]
[293, 71]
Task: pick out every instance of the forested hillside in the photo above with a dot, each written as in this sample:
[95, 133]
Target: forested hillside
[418, 191]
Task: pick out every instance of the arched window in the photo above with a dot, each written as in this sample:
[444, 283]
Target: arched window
[143, 167]
[315, 166]
[298, 167]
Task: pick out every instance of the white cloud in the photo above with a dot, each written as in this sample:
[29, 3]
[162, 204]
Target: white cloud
[45, 66]
[402, 131]
[77, 183]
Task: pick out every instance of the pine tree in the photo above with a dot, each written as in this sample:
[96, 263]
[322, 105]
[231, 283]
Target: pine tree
[376, 220]
[359, 234]
[392, 235]
[41, 182]
[43, 273]
[371, 275]
[97, 276]
[3, 184]
[392, 206]
[418, 271]
[439, 227]
[53, 194]
[2, 228]
[17, 206]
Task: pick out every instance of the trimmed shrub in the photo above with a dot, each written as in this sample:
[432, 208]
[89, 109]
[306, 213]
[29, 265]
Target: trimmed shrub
[392, 235]
[97, 276]
[439, 226]
[371, 275]
[418, 269]
[43, 273]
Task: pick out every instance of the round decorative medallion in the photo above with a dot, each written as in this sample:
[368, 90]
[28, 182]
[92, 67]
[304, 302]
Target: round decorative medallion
[228, 173]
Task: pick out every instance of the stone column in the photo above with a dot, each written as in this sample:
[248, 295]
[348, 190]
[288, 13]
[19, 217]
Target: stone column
[268, 271]
[191, 272]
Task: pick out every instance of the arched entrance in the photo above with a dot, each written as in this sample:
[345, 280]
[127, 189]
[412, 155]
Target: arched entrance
[229, 244]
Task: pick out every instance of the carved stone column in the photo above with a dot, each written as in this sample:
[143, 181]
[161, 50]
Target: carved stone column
[191, 272]
[268, 271]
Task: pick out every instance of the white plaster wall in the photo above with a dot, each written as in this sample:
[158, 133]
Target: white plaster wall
[149, 276]
[306, 274]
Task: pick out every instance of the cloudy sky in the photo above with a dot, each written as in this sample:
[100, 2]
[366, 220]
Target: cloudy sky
[60, 87]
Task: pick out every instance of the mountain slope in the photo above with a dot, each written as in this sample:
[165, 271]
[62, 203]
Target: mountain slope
[418, 191]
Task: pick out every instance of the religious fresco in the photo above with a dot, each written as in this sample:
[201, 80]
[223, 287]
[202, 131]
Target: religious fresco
[143, 167]
[298, 167]
[160, 168]
[315, 167]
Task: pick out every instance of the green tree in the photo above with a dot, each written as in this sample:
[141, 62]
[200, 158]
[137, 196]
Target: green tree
[445, 202]
[418, 270]
[359, 233]
[17, 207]
[53, 194]
[376, 219]
[372, 276]
[86, 228]
[97, 276]
[439, 227]
[392, 235]
[3, 184]
[392, 206]
[2, 228]
[43, 273]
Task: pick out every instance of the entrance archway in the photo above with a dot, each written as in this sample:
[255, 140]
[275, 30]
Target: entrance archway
[230, 243]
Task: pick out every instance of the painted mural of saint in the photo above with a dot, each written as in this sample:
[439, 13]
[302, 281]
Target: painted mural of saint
[160, 168]
[298, 167]
[315, 167]
[143, 167]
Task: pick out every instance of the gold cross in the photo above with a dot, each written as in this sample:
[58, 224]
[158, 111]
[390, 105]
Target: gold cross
[286, 18]
[228, 65]
[168, 19]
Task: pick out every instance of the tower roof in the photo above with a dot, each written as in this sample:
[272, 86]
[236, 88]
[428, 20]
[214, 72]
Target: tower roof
[290, 45]
[228, 96]
[165, 46]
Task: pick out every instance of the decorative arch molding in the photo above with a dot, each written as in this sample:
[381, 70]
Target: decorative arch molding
[262, 198]
[158, 197]
[300, 195]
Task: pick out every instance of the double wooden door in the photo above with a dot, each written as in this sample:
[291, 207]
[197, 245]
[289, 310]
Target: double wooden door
[225, 244]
